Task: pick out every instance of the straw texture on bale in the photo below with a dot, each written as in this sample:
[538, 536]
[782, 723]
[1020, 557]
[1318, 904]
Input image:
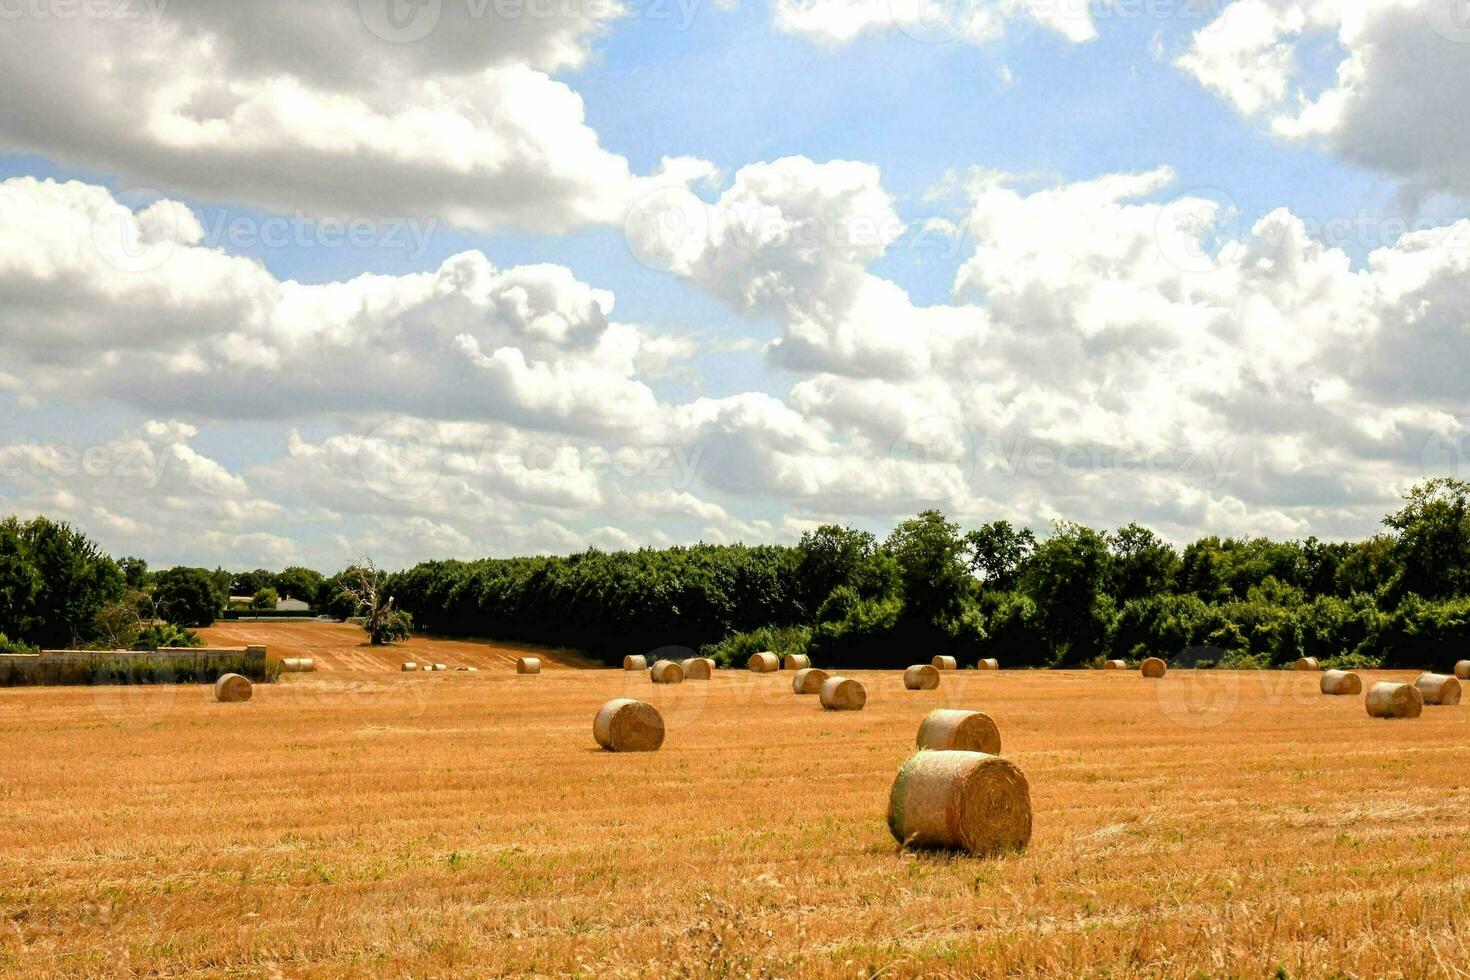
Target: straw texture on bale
[698, 668]
[950, 730]
[667, 672]
[796, 661]
[966, 801]
[921, 677]
[232, 689]
[1341, 682]
[441, 666]
[298, 665]
[808, 680]
[528, 665]
[842, 694]
[989, 663]
[635, 663]
[1387, 699]
[945, 663]
[410, 665]
[1307, 663]
[1438, 688]
[1462, 670]
[764, 663]
[625, 725]
[1154, 667]
[1116, 665]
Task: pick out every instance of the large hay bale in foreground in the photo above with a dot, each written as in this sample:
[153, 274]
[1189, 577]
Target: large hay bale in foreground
[667, 672]
[1154, 667]
[528, 665]
[966, 801]
[796, 661]
[808, 681]
[921, 677]
[842, 694]
[1462, 670]
[233, 689]
[1438, 688]
[625, 725]
[763, 663]
[945, 663]
[950, 730]
[1388, 699]
[698, 668]
[410, 665]
[1307, 663]
[989, 663]
[1116, 665]
[1341, 682]
[635, 662]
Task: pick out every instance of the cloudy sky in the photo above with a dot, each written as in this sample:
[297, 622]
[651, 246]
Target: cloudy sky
[287, 282]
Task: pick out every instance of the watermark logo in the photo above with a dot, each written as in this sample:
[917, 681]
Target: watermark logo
[136, 243]
[1447, 451]
[1191, 229]
[1198, 698]
[401, 21]
[402, 459]
[667, 228]
[1450, 19]
[935, 456]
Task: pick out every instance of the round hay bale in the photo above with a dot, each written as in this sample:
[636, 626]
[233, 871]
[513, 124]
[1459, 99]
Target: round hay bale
[966, 801]
[410, 665]
[763, 663]
[1116, 665]
[1341, 682]
[945, 663]
[667, 672]
[989, 663]
[426, 668]
[635, 662]
[1462, 670]
[528, 665]
[948, 730]
[808, 680]
[625, 725]
[1307, 663]
[921, 677]
[1438, 688]
[441, 666]
[698, 668]
[1154, 667]
[796, 661]
[1387, 699]
[307, 665]
[291, 665]
[233, 689]
[842, 694]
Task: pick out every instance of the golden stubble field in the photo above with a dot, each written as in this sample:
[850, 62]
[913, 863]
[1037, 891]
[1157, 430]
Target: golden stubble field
[358, 822]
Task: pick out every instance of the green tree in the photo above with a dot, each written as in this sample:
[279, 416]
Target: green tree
[54, 581]
[1065, 578]
[828, 558]
[1431, 541]
[299, 583]
[1142, 563]
[188, 597]
[249, 583]
[929, 552]
[265, 599]
[997, 551]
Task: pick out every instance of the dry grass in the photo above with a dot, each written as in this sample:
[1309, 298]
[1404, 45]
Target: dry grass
[372, 822]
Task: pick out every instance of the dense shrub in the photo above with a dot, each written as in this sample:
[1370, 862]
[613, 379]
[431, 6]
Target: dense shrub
[53, 583]
[188, 597]
[735, 650]
[162, 636]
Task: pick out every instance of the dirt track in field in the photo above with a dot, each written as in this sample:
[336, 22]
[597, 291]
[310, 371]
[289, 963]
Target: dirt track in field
[352, 823]
[344, 647]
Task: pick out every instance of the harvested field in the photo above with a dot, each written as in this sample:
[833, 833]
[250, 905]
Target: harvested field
[356, 822]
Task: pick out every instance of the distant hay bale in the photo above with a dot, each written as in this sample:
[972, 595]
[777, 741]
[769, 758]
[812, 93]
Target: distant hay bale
[667, 672]
[698, 668]
[1438, 688]
[945, 663]
[291, 665]
[426, 668]
[1462, 670]
[949, 730]
[441, 666]
[410, 665]
[921, 677]
[233, 689]
[966, 801]
[1341, 682]
[635, 662]
[1307, 663]
[1116, 665]
[1154, 667]
[625, 725]
[796, 661]
[528, 665]
[763, 663]
[989, 663]
[842, 694]
[1388, 699]
[809, 680]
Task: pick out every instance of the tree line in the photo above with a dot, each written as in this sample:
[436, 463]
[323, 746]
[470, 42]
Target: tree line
[1072, 597]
